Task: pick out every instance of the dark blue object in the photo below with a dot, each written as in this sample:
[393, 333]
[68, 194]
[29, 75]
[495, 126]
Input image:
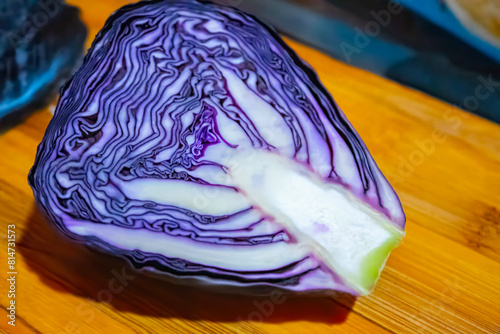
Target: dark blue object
[41, 44]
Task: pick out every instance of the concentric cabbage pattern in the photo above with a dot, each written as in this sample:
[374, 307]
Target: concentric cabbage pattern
[143, 135]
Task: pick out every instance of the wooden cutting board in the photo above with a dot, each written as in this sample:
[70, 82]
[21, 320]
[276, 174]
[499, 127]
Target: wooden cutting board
[444, 278]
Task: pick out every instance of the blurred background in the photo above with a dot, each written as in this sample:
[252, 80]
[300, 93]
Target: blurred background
[446, 48]
[449, 49]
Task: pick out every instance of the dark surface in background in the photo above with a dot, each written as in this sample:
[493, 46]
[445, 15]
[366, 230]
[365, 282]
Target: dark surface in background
[41, 43]
[411, 48]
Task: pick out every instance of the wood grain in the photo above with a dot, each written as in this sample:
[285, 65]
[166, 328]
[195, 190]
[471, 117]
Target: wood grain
[445, 278]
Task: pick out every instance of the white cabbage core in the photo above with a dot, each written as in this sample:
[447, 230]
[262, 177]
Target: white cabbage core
[349, 235]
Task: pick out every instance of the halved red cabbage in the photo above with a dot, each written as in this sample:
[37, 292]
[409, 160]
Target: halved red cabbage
[195, 143]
